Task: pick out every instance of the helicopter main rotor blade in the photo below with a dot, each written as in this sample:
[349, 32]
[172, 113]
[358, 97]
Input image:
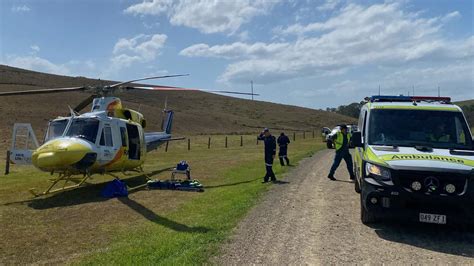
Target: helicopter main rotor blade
[186, 89]
[44, 91]
[157, 77]
[84, 103]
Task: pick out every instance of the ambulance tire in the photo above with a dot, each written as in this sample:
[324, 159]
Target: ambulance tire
[329, 144]
[366, 216]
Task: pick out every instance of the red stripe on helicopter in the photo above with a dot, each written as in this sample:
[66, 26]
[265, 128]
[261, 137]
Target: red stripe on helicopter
[117, 157]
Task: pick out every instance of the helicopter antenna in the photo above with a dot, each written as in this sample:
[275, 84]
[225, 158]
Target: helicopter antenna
[73, 113]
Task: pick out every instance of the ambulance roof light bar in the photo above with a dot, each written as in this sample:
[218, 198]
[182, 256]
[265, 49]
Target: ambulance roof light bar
[401, 98]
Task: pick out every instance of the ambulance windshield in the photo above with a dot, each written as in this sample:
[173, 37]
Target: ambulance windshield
[409, 128]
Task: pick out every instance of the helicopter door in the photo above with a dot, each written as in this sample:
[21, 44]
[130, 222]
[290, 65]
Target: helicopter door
[106, 145]
[133, 142]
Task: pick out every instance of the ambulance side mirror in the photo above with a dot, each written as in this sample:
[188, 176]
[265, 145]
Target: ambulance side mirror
[357, 139]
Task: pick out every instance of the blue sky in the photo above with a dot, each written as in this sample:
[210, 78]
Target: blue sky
[314, 53]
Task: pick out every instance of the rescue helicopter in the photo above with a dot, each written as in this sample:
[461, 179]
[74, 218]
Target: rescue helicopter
[108, 139]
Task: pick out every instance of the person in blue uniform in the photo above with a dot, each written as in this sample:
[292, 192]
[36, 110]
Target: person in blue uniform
[270, 151]
[283, 142]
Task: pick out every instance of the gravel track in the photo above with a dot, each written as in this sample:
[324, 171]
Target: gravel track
[312, 220]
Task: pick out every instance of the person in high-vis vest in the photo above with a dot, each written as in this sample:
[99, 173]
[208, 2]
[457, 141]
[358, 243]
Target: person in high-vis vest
[341, 142]
[270, 151]
[439, 134]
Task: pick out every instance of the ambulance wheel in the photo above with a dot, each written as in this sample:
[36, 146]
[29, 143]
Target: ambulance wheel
[366, 216]
[329, 144]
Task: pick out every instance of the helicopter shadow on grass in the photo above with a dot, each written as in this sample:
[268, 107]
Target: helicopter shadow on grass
[451, 240]
[278, 182]
[233, 184]
[86, 194]
[153, 217]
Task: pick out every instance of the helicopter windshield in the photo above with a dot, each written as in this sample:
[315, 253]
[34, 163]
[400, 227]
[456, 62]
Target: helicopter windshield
[85, 128]
[56, 129]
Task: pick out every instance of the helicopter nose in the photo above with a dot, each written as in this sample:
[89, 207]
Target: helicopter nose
[60, 154]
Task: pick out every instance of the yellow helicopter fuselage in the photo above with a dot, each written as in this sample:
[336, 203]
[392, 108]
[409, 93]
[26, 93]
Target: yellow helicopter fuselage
[95, 142]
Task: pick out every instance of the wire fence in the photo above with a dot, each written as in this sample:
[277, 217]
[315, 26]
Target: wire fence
[213, 142]
[231, 141]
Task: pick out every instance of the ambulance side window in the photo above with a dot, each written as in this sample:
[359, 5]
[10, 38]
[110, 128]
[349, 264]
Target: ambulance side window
[361, 117]
[123, 135]
[461, 137]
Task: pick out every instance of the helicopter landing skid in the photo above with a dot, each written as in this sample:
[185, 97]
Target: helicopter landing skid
[62, 178]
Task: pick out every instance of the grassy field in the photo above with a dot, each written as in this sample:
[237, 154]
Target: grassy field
[150, 226]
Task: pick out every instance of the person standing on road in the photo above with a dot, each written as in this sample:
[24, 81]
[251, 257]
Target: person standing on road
[270, 150]
[341, 142]
[283, 142]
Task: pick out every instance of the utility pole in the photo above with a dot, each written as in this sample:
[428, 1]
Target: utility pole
[413, 86]
[379, 90]
[439, 91]
[251, 87]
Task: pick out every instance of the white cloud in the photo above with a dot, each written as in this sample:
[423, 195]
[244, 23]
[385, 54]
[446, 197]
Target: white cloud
[123, 60]
[243, 36]
[328, 5]
[36, 63]
[208, 16]
[155, 7]
[20, 9]
[141, 48]
[381, 34]
[234, 50]
[34, 49]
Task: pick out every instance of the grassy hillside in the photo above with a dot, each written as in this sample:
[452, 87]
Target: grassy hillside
[468, 108]
[196, 112]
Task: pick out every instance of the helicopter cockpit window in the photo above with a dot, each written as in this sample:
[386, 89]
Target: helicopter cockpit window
[56, 129]
[85, 128]
[106, 137]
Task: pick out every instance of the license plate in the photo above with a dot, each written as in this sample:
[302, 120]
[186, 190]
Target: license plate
[432, 218]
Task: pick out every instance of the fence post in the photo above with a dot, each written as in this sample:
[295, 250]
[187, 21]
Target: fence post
[257, 141]
[294, 136]
[304, 134]
[189, 144]
[166, 147]
[226, 141]
[313, 133]
[241, 141]
[7, 164]
[209, 143]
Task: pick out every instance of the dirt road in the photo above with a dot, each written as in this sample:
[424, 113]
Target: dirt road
[311, 220]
